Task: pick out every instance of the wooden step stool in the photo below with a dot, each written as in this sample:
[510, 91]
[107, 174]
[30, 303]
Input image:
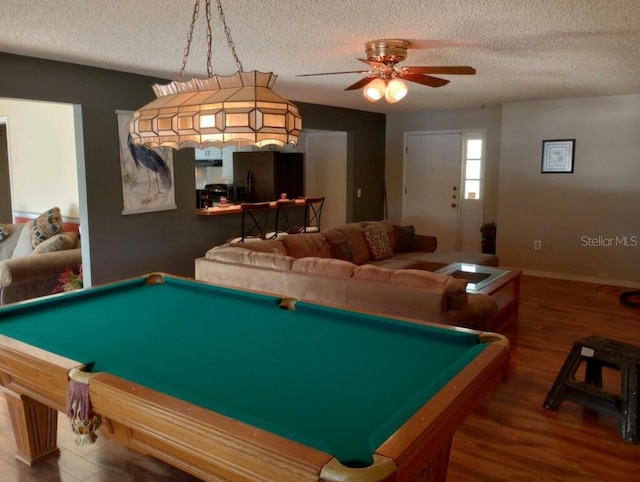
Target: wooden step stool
[600, 352]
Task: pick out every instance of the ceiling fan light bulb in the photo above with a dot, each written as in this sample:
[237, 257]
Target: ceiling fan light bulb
[374, 90]
[395, 91]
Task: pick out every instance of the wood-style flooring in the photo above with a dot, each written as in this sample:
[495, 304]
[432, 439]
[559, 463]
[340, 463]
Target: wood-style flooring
[510, 437]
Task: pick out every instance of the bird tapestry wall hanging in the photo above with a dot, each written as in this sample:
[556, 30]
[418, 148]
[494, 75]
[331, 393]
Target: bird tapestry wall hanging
[147, 174]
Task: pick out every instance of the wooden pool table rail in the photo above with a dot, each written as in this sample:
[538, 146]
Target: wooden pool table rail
[209, 445]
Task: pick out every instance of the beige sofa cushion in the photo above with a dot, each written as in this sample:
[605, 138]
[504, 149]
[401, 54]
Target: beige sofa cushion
[305, 245]
[8, 246]
[395, 263]
[274, 246]
[251, 258]
[411, 278]
[352, 232]
[334, 268]
[415, 278]
[373, 273]
[59, 242]
[23, 246]
[454, 289]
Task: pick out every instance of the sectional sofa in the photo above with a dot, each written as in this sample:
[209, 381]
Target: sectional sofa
[372, 266]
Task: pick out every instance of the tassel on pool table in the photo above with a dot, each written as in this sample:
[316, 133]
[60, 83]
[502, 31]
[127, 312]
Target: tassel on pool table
[84, 422]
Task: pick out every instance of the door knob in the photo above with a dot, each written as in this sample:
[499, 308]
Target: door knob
[453, 205]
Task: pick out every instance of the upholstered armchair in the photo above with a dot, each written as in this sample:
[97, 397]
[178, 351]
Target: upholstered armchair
[28, 271]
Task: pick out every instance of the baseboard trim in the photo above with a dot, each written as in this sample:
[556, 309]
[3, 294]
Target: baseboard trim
[572, 277]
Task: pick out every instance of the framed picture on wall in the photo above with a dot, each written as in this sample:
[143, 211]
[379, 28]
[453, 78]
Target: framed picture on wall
[557, 155]
[147, 174]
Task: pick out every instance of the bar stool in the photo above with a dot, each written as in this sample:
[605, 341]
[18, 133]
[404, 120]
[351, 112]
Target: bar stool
[254, 222]
[285, 211]
[312, 216]
[600, 353]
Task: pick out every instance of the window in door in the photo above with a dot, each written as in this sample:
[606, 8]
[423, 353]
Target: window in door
[472, 167]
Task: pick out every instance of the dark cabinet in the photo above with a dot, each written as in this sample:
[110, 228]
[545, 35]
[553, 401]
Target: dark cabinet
[264, 175]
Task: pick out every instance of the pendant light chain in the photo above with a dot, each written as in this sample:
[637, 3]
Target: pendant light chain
[227, 32]
[196, 9]
[209, 40]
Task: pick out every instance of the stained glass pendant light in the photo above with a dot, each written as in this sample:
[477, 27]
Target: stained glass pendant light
[235, 110]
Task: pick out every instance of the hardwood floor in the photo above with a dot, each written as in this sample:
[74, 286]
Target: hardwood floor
[511, 437]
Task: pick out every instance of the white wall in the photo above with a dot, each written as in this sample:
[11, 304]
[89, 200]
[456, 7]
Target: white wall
[570, 213]
[598, 203]
[326, 174]
[397, 125]
[42, 156]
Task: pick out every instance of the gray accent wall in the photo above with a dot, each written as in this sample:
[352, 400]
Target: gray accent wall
[168, 241]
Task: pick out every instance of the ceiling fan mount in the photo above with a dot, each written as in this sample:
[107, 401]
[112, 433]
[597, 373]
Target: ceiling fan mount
[387, 50]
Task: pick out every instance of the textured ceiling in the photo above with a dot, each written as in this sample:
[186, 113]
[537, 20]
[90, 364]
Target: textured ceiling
[522, 50]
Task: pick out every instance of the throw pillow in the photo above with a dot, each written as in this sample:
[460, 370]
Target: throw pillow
[23, 245]
[378, 242]
[59, 242]
[46, 225]
[342, 250]
[406, 239]
[4, 234]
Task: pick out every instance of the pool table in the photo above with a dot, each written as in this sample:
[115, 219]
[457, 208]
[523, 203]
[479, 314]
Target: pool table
[237, 385]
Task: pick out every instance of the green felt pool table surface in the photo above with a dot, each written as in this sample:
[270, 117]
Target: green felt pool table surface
[338, 381]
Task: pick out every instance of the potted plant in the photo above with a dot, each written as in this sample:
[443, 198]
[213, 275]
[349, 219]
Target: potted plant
[488, 231]
[69, 280]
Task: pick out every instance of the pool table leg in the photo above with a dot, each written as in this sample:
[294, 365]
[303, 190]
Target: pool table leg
[35, 427]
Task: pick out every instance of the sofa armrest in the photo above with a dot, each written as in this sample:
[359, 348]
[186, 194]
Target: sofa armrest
[479, 313]
[428, 244]
[34, 275]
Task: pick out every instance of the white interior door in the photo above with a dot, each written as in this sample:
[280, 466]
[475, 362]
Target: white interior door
[326, 174]
[432, 186]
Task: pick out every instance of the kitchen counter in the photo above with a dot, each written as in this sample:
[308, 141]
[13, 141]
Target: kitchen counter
[234, 208]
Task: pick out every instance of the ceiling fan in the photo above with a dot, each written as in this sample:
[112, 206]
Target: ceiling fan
[386, 79]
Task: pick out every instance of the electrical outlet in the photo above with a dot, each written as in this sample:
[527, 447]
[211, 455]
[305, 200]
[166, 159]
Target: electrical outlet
[537, 245]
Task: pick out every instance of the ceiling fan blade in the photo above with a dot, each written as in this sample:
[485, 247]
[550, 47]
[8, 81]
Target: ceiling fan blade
[453, 69]
[375, 65]
[360, 83]
[425, 80]
[335, 73]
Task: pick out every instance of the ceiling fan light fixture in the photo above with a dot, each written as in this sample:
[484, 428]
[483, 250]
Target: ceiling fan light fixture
[374, 90]
[395, 91]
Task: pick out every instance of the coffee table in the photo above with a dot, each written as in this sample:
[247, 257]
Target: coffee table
[503, 285]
